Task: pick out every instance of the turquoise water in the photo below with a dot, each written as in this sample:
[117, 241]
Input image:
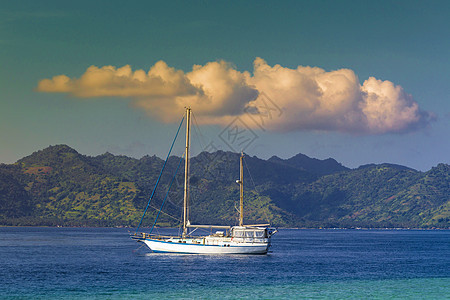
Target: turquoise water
[431, 288]
[304, 264]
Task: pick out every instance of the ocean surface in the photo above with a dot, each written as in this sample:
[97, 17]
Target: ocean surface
[104, 263]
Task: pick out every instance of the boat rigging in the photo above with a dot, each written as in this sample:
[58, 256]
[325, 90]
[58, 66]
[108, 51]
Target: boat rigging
[240, 239]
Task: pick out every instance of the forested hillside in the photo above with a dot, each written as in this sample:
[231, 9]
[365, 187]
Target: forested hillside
[59, 186]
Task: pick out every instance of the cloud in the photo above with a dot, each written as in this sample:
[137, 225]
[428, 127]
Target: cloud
[213, 90]
[160, 81]
[311, 98]
[304, 98]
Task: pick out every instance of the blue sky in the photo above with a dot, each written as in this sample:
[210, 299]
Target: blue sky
[404, 45]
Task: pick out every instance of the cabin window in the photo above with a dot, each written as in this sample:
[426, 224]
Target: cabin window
[238, 233]
[260, 233]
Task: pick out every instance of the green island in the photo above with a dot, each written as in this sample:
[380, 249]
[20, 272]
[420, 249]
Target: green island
[58, 186]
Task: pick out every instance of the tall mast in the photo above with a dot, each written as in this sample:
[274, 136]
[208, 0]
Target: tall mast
[186, 174]
[241, 183]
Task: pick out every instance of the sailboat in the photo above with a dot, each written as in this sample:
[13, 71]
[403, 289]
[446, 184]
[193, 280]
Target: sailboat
[240, 239]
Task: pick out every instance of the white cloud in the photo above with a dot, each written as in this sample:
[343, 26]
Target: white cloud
[387, 107]
[308, 98]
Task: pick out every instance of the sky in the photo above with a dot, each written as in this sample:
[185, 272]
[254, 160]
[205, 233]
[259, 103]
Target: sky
[358, 81]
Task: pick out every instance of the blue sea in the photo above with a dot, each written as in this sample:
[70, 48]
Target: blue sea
[104, 263]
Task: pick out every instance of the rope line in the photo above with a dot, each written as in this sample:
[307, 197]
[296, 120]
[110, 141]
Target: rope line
[254, 185]
[251, 177]
[157, 182]
[165, 197]
[164, 213]
[199, 135]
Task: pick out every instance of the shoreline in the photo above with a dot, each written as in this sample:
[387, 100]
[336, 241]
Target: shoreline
[279, 228]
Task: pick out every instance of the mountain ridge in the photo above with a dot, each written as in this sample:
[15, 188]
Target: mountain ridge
[313, 165]
[59, 186]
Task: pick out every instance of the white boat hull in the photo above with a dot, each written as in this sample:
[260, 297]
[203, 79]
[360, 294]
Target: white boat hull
[195, 248]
